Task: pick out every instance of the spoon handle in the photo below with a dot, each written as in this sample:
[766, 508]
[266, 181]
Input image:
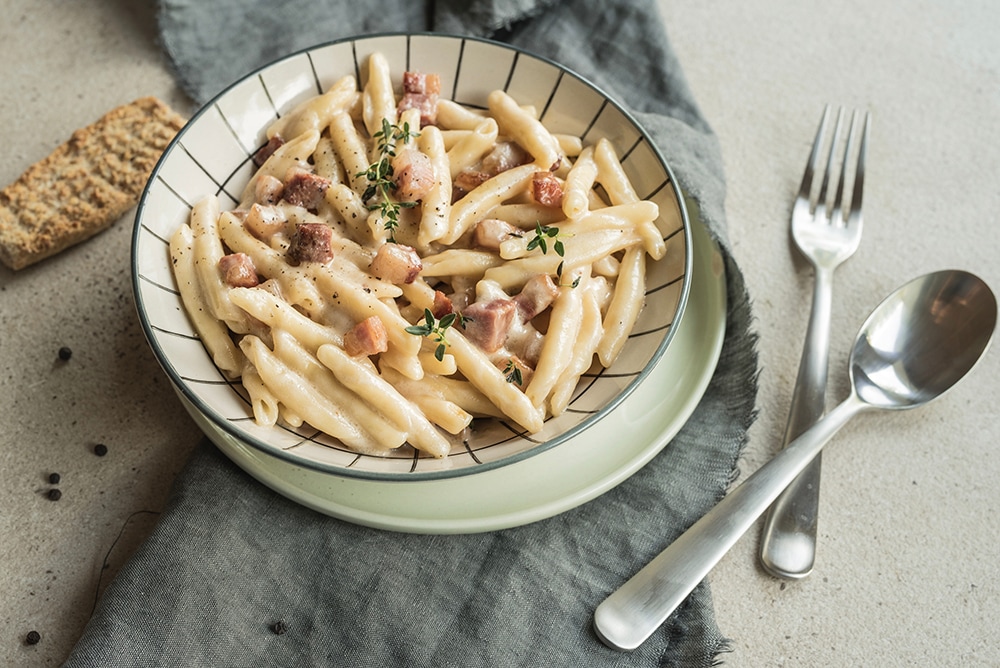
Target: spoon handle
[632, 613]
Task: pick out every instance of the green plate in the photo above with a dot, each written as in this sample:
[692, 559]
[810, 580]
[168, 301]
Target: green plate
[549, 483]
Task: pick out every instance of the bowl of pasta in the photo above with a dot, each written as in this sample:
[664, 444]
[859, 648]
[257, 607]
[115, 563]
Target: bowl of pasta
[409, 257]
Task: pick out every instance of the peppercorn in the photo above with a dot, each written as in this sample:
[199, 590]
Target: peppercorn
[100, 449]
[55, 494]
[54, 478]
[65, 353]
[32, 638]
[279, 627]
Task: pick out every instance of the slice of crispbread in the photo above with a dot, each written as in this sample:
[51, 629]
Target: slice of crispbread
[84, 185]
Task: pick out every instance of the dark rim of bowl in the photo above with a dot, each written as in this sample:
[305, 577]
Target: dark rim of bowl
[305, 462]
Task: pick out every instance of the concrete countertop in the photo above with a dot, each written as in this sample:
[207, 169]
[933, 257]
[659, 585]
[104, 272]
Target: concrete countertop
[909, 528]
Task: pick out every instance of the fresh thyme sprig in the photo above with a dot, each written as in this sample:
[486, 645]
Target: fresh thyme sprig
[379, 175]
[544, 233]
[437, 328]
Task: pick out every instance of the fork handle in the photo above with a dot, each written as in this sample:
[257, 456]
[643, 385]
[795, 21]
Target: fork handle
[788, 540]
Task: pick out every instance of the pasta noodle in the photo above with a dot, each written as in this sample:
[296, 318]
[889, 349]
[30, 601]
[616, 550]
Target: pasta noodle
[213, 332]
[387, 280]
[472, 147]
[434, 222]
[378, 99]
[525, 129]
[591, 331]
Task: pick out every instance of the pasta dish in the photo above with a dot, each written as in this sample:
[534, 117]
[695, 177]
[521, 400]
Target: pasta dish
[400, 265]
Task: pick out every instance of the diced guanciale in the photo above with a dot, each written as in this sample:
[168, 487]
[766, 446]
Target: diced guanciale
[487, 323]
[537, 295]
[442, 305]
[489, 233]
[396, 263]
[413, 175]
[368, 337]
[268, 189]
[267, 150]
[421, 82]
[466, 181]
[421, 92]
[546, 189]
[505, 155]
[238, 270]
[305, 189]
[311, 242]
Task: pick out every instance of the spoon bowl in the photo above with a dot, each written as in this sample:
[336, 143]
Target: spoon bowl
[922, 340]
[918, 343]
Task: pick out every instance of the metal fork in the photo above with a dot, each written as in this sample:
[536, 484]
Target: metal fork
[826, 238]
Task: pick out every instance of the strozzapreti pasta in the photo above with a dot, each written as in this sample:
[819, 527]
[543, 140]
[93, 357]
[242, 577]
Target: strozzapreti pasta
[400, 265]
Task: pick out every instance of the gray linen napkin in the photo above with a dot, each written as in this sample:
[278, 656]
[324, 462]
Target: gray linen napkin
[229, 560]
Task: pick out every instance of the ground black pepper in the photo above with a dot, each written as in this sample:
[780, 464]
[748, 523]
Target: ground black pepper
[65, 353]
[33, 637]
[55, 494]
[54, 478]
[100, 449]
[280, 627]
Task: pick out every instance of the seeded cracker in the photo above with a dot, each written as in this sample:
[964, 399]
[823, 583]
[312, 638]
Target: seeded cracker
[84, 185]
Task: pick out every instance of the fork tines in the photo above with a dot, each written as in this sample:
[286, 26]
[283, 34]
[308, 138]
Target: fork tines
[822, 200]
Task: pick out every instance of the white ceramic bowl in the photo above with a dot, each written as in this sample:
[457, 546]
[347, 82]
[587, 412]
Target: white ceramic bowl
[212, 155]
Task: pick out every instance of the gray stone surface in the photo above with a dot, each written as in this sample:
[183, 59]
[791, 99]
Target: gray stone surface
[909, 529]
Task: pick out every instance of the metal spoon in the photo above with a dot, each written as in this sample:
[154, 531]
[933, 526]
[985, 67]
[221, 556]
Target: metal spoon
[914, 346]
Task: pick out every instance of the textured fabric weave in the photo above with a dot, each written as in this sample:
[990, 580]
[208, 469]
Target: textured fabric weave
[229, 559]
